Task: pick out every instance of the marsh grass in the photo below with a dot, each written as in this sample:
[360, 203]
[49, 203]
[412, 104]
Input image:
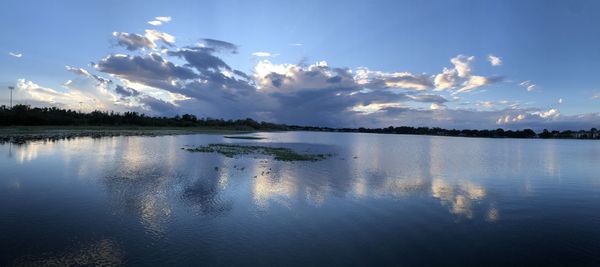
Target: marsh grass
[278, 153]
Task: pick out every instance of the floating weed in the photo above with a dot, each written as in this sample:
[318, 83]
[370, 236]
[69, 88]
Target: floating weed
[278, 153]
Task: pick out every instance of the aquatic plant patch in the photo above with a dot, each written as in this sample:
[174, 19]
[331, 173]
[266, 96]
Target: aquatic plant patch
[278, 153]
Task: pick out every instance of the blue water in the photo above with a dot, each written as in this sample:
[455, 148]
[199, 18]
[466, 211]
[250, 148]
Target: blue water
[380, 200]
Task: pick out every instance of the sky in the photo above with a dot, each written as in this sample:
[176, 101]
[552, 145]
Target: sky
[452, 64]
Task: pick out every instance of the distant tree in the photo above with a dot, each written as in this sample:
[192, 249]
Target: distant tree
[545, 134]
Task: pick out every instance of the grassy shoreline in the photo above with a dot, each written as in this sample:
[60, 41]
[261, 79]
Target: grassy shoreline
[23, 134]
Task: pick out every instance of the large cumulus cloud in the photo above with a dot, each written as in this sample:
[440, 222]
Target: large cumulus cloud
[153, 75]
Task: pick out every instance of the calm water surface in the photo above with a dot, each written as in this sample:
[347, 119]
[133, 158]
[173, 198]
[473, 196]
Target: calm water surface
[381, 200]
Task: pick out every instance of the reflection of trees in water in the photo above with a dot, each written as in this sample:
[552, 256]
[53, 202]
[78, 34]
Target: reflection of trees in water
[101, 253]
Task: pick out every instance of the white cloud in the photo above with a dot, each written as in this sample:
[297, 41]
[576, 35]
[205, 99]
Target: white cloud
[560, 100]
[531, 87]
[296, 44]
[461, 75]
[528, 85]
[374, 107]
[262, 54]
[78, 71]
[596, 96]
[529, 117]
[159, 21]
[163, 19]
[445, 80]
[494, 60]
[511, 119]
[551, 113]
[30, 91]
[17, 55]
[436, 106]
[154, 35]
[462, 65]
[473, 83]
[487, 104]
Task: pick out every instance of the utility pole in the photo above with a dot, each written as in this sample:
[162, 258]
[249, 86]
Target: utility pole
[11, 88]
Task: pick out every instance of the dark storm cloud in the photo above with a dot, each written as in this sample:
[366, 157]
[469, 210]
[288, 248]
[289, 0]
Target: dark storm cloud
[334, 107]
[218, 88]
[144, 68]
[201, 58]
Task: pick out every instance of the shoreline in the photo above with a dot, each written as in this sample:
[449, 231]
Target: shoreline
[24, 134]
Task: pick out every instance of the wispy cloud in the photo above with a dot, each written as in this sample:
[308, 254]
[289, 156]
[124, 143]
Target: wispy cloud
[17, 55]
[264, 54]
[528, 85]
[164, 19]
[159, 21]
[475, 82]
[494, 60]
[296, 44]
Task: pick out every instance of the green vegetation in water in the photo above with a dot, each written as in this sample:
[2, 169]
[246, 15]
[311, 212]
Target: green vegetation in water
[244, 137]
[278, 153]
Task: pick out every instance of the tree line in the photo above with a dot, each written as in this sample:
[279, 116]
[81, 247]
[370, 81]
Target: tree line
[24, 115]
[21, 115]
[497, 133]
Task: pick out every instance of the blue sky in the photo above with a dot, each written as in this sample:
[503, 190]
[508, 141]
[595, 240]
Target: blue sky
[350, 63]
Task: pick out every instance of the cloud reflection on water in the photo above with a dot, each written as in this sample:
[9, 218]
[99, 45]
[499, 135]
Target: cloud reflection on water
[148, 178]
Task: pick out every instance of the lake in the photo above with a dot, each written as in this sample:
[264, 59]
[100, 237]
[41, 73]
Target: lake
[379, 200]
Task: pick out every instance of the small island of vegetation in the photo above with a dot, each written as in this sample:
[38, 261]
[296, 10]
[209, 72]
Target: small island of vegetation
[278, 153]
